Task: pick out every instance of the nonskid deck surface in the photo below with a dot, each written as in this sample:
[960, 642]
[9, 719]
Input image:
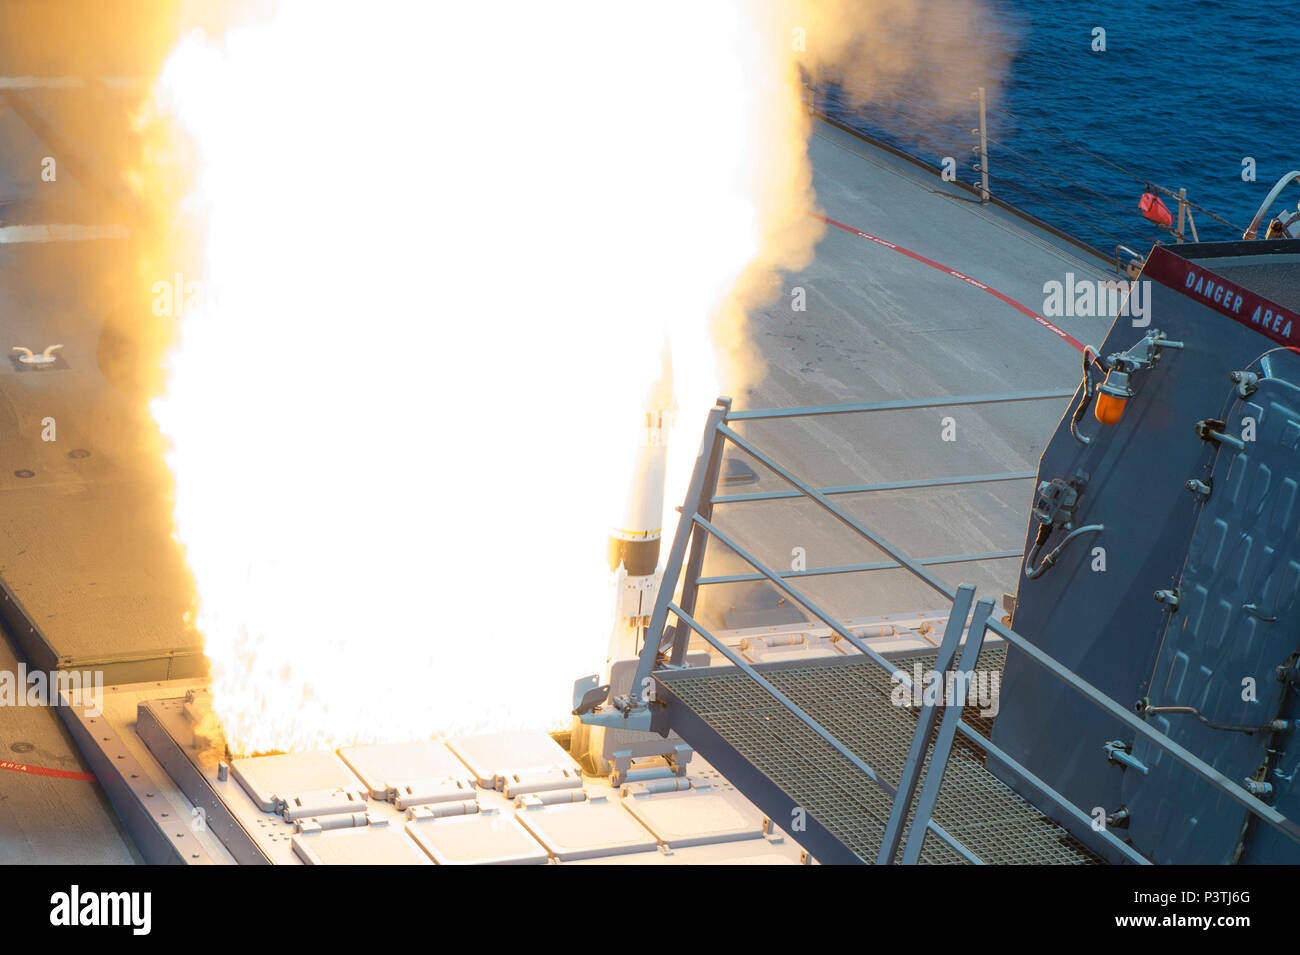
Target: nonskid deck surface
[853, 701]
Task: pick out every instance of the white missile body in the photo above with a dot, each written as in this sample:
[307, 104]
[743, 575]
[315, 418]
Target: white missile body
[634, 547]
[635, 543]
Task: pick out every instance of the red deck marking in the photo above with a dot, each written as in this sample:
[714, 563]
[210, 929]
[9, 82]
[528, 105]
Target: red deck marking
[1023, 309]
[43, 771]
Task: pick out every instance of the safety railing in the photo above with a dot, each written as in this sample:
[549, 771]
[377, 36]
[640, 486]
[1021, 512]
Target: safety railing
[1096, 211]
[666, 645]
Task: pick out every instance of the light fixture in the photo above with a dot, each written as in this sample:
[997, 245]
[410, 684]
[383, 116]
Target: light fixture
[1112, 396]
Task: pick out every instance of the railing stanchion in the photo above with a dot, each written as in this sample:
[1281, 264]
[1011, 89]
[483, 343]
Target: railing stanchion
[924, 727]
[699, 542]
[673, 568]
[947, 732]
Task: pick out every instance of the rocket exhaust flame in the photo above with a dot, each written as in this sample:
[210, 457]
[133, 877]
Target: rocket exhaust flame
[441, 247]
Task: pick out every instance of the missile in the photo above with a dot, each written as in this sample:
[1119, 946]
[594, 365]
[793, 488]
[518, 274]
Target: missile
[634, 541]
[634, 556]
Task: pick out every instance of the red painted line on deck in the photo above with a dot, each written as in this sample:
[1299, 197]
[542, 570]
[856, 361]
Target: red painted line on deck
[43, 771]
[1023, 309]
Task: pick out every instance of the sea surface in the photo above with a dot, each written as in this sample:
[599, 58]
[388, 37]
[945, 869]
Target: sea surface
[1183, 93]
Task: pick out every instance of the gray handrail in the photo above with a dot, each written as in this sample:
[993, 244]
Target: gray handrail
[1252, 231]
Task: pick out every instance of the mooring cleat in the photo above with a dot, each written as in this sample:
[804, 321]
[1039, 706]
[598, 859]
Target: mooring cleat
[46, 357]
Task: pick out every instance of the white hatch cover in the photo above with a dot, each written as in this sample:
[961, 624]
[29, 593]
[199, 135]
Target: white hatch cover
[487, 838]
[270, 778]
[366, 845]
[518, 762]
[695, 817]
[584, 830]
[385, 766]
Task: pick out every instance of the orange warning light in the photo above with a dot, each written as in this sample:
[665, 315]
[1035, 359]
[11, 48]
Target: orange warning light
[1109, 408]
[1112, 396]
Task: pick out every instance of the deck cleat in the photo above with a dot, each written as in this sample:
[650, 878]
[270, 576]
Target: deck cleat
[44, 359]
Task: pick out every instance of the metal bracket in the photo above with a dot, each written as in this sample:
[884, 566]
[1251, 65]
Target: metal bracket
[1247, 382]
[1056, 501]
[639, 718]
[1258, 787]
[1117, 752]
[1144, 354]
[630, 768]
[1211, 429]
[588, 694]
[1254, 611]
[1289, 674]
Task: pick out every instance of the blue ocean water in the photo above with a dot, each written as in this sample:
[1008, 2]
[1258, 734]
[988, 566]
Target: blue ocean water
[1183, 93]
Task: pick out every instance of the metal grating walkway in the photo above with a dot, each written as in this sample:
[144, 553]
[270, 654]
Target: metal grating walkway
[852, 701]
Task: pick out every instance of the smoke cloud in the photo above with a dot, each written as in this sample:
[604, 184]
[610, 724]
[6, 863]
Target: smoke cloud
[436, 250]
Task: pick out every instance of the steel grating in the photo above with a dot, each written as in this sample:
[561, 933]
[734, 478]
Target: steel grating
[852, 701]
